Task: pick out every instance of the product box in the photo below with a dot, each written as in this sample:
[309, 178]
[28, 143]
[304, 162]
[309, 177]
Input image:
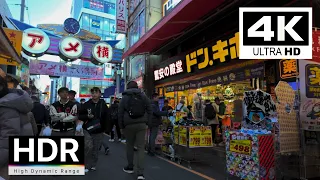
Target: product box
[250, 157]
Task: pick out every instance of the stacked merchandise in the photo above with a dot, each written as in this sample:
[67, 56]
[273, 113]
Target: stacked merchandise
[250, 151]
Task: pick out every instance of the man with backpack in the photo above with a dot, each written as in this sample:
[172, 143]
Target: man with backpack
[114, 121]
[135, 113]
[210, 117]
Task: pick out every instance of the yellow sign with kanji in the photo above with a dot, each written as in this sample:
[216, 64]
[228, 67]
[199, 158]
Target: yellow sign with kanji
[312, 80]
[194, 136]
[241, 146]
[182, 135]
[15, 37]
[288, 68]
[206, 136]
[206, 56]
[8, 61]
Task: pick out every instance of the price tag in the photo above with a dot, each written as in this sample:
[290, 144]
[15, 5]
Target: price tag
[206, 136]
[183, 136]
[194, 136]
[241, 146]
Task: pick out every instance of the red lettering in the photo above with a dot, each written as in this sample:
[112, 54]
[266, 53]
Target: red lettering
[35, 39]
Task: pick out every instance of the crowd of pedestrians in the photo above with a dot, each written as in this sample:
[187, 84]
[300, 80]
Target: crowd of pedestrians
[129, 119]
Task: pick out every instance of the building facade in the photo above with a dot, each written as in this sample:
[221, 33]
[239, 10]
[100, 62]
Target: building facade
[98, 17]
[142, 16]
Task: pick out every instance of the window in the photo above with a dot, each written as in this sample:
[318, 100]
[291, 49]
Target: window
[106, 25]
[142, 24]
[133, 5]
[110, 8]
[85, 20]
[112, 26]
[134, 32]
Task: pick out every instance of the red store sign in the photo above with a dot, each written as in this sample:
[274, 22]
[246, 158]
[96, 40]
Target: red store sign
[316, 45]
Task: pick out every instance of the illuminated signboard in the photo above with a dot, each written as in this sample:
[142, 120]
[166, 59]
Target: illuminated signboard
[169, 6]
[70, 48]
[35, 42]
[167, 71]
[288, 68]
[102, 53]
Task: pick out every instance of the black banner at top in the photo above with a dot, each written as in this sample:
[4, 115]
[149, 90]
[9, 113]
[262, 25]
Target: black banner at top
[240, 74]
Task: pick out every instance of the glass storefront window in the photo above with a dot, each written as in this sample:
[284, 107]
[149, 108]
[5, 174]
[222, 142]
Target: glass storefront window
[142, 23]
[133, 5]
[106, 24]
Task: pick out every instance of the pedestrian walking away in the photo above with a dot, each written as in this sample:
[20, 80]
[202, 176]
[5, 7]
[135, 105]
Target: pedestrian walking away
[95, 115]
[135, 113]
[114, 121]
[63, 114]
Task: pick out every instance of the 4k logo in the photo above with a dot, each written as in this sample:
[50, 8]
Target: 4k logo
[275, 33]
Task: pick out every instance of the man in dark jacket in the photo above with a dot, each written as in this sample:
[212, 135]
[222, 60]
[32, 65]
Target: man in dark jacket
[156, 122]
[134, 126]
[92, 110]
[41, 114]
[71, 96]
[63, 114]
[114, 121]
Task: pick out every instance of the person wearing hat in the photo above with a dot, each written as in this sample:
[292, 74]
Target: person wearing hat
[71, 96]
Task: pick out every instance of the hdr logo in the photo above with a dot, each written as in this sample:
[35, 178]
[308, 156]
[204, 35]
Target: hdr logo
[275, 33]
[46, 155]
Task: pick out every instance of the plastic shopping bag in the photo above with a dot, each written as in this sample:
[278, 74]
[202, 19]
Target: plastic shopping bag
[46, 131]
[79, 130]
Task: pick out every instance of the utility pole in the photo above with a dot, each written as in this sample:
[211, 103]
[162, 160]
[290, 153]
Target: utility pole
[23, 5]
[118, 78]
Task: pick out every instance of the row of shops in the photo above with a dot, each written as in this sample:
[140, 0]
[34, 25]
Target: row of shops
[200, 62]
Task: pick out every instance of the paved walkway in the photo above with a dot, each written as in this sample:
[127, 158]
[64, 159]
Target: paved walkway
[110, 168]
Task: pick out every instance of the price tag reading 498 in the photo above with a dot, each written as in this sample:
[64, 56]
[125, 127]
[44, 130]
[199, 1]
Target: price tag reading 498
[241, 146]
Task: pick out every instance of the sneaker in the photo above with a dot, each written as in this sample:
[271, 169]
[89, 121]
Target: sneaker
[86, 170]
[140, 177]
[123, 141]
[111, 140]
[106, 151]
[93, 169]
[221, 144]
[119, 140]
[128, 170]
[135, 148]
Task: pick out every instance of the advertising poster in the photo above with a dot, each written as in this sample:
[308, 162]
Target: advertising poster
[183, 135]
[310, 95]
[194, 136]
[121, 16]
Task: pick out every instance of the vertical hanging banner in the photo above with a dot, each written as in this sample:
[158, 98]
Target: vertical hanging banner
[121, 16]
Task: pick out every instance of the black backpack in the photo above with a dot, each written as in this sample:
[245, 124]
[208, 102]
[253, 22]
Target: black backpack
[209, 112]
[136, 106]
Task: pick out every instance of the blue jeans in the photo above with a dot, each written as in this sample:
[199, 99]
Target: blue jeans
[152, 139]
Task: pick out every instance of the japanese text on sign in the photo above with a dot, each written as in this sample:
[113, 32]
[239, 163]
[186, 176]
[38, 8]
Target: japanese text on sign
[121, 16]
[206, 136]
[209, 55]
[260, 100]
[241, 146]
[183, 135]
[194, 136]
[60, 69]
[288, 68]
[172, 69]
[312, 80]
[315, 44]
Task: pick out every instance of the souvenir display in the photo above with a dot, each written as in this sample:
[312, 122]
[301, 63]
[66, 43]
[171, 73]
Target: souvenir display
[250, 151]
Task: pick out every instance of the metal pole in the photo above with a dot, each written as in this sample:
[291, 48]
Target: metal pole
[118, 79]
[23, 5]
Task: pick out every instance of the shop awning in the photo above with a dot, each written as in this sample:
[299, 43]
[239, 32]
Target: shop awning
[184, 15]
[110, 91]
[6, 47]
